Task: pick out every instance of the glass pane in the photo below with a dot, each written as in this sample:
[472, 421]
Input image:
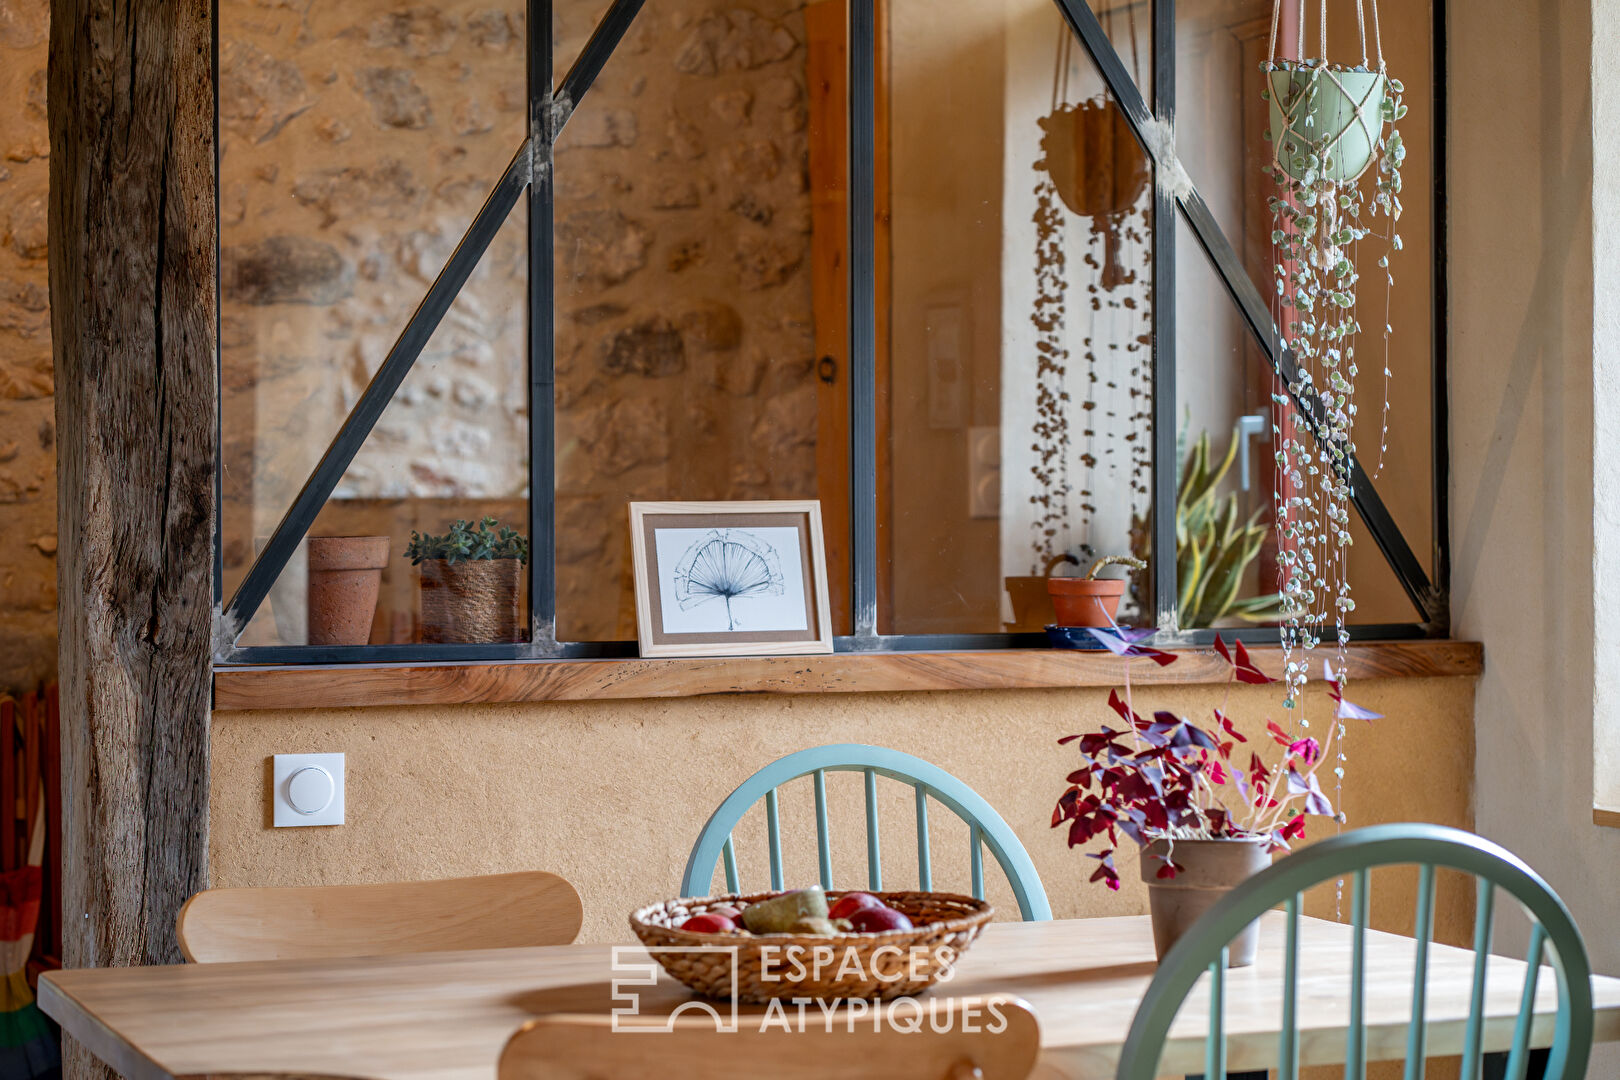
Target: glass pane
[1226, 555]
[1019, 292]
[1226, 551]
[700, 300]
[452, 445]
[1222, 143]
[357, 142]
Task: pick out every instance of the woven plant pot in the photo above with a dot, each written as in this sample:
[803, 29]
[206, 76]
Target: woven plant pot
[944, 926]
[471, 602]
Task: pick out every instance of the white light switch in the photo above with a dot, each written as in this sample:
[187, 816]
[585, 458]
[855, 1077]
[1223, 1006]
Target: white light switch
[308, 789]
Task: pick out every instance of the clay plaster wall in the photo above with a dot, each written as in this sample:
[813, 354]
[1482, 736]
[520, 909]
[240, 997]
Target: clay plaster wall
[611, 795]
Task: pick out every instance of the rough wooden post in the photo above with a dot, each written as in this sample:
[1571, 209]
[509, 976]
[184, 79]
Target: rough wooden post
[132, 270]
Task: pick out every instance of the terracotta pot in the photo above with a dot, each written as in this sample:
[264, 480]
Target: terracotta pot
[345, 573]
[471, 602]
[1085, 601]
[1210, 870]
[1031, 603]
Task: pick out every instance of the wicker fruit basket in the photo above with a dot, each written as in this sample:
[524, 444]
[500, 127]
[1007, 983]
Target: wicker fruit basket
[885, 965]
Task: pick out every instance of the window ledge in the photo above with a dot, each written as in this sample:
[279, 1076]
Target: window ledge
[346, 686]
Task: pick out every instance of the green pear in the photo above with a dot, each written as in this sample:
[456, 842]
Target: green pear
[779, 914]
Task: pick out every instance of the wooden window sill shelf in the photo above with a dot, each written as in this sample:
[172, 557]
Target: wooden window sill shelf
[345, 686]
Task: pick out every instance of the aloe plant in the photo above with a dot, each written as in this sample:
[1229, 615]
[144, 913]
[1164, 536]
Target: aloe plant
[1214, 546]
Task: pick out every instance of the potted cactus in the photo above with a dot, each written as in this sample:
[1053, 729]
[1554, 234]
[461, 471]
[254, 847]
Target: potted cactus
[471, 582]
[1091, 600]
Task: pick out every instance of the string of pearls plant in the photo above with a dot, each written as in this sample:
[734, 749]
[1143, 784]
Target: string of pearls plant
[1330, 126]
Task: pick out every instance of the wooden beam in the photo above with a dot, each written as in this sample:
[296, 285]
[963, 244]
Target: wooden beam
[133, 249]
[314, 687]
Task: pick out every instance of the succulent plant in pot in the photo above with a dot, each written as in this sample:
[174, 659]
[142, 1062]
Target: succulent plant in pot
[472, 579]
[1091, 600]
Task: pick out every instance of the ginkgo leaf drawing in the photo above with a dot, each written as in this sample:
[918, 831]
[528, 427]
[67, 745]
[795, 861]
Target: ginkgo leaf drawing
[727, 565]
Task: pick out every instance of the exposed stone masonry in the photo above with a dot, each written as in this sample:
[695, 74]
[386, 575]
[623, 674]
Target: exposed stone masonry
[27, 410]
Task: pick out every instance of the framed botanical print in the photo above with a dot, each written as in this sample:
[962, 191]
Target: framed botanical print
[730, 578]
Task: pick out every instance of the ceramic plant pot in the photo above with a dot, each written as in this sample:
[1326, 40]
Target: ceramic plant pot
[1085, 601]
[1341, 104]
[472, 601]
[345, 573]
[1031, 602]
[1210, 870]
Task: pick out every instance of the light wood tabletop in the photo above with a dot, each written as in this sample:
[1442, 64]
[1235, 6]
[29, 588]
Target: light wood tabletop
[446, 1016]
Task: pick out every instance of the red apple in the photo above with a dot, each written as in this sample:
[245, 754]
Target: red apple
[848, 904]
[709, 923]
[727, 911]
[875, 920]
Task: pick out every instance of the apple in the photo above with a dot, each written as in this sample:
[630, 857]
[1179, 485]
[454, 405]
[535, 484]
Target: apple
[876, 920]
[726, 910]
[709, 923]
[850, 903]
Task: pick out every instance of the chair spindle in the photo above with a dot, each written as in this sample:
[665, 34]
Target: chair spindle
[1215, 1043]
[976, 862]
[1355, 1052]
[874, 856]
[925, 867]
[1417, 1032]
[730, 855]
[1288, 1044]
[823, 835]
[1483, 910]
[773, 826]
[1519, 1057]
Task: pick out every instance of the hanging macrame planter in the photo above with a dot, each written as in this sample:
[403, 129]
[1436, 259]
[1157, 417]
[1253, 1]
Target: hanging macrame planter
[1331, 125]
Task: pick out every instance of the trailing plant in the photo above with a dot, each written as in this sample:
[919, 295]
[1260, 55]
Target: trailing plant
[1167, 778]
[466, 542]
[1329, 124]
[1215, 547]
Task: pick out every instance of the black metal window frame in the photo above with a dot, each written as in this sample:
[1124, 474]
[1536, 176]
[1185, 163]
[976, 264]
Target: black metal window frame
[531, 173]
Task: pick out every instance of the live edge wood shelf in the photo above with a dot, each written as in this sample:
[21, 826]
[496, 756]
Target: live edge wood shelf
[314, 687]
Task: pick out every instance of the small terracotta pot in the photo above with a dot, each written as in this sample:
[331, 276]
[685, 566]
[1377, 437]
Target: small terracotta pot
[471, 602]
[1210, 870]
[345, 573]
[1086, 601]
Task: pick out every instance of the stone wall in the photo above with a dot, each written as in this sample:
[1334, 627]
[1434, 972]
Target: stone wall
[360, 139]
[27, 410]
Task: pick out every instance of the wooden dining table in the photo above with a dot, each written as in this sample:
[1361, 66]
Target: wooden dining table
[446, 1016]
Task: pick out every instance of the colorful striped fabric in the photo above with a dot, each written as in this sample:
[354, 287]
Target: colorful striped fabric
[30, 1048]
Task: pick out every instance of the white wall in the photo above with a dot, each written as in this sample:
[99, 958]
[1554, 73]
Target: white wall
[1521, 375]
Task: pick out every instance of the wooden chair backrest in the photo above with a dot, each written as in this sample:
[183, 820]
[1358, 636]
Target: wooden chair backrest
[986, 828]
[329, 921]
[1354, 855]
[999, 1040]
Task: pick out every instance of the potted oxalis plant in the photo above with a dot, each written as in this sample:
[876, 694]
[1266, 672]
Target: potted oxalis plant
[471, 582]
[1206, 810]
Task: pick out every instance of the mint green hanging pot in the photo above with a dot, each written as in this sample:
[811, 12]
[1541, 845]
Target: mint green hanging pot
[1326, 119]
[1337, 111]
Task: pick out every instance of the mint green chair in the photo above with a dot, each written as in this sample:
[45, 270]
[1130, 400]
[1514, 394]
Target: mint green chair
[1355, 854]
[985, 827]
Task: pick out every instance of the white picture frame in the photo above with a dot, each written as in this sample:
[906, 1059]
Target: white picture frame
[730, 578]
